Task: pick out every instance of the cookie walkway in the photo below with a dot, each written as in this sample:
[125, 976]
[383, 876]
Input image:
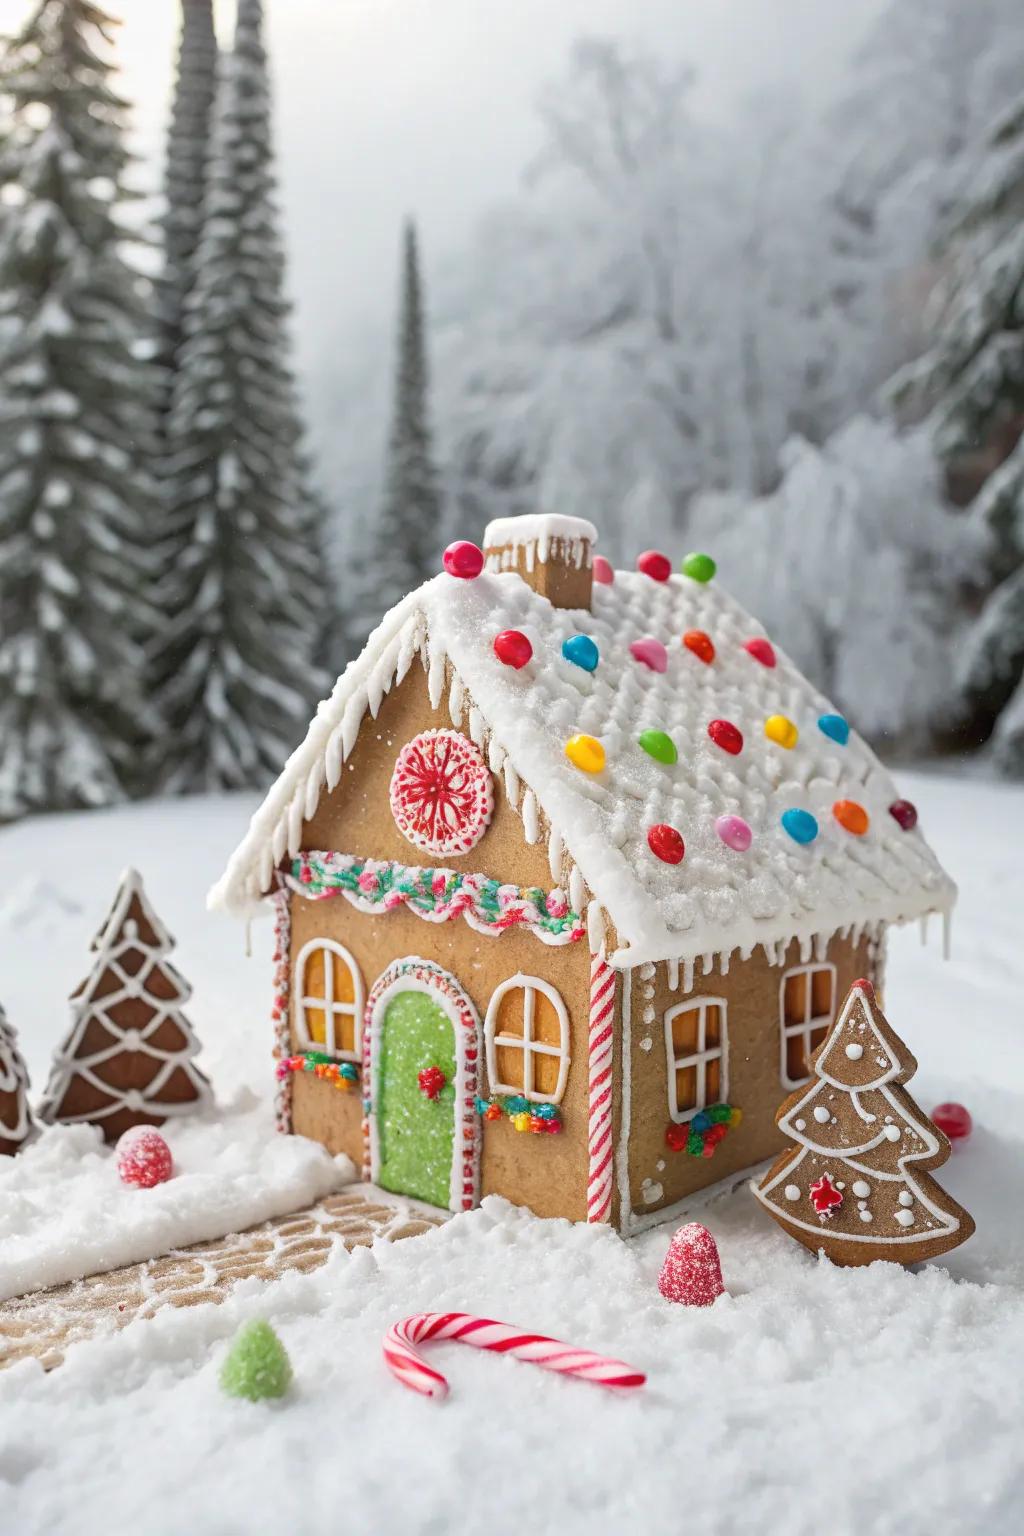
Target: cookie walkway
[44, 1323]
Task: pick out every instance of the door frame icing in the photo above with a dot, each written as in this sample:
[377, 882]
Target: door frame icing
[413, 974]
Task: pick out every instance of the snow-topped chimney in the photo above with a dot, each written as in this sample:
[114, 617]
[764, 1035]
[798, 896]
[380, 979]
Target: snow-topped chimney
[554, 555]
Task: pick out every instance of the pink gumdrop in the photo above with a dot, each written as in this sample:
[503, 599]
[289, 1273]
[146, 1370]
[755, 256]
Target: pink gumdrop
[603, 571]
[953, 1120]
[463, 559]
[692, 1271]
[651, 652]
[143, 1158]
[734, 832]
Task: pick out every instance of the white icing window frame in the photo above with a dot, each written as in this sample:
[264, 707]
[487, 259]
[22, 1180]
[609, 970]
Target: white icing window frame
[525, 1042]
[699, 1058]
[327, 1004]
[811, 1021]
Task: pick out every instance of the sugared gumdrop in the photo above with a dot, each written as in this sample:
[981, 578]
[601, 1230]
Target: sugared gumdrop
[257, 1364]
[143, 1158]
[953, 1120]
[692, 1271]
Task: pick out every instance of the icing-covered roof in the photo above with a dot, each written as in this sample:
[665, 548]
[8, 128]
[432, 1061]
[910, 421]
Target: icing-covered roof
[717, 898]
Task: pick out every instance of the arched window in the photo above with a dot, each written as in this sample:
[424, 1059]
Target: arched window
[697, 1046]
[807, 1005]
[328, 999]
[527, 1034]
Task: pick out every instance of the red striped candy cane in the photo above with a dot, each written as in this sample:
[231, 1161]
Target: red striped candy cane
[405, 1363]
[599, 1138]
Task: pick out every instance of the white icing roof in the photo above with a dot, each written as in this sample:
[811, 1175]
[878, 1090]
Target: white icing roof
[716, 899]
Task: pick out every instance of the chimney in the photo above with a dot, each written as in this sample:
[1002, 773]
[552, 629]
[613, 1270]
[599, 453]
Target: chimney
[554, 555]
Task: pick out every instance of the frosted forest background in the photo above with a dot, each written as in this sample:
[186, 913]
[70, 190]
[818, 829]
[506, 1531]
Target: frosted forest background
[732, 278]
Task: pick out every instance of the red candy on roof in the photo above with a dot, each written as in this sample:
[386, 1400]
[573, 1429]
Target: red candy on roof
[761, 649]
[654, 564]
[726, 735]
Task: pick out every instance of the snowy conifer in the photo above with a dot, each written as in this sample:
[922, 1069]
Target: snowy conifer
[188, 142]
[76, 424]
[972, 381]
[234, 670]
[408, 532]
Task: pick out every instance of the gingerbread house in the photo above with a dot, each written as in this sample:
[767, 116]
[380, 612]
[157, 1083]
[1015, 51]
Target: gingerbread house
[569, 874]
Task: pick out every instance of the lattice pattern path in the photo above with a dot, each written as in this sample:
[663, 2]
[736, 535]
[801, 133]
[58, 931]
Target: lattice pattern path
[43, 1324]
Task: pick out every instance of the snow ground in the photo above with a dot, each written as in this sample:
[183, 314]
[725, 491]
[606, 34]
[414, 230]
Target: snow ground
[809, 1399]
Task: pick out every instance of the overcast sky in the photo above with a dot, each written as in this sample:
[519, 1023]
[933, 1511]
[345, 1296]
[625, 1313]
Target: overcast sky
[426, 106]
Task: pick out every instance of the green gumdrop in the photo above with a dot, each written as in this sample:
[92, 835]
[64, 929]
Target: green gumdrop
[699, 567]
[657, 745]
[257, 1364]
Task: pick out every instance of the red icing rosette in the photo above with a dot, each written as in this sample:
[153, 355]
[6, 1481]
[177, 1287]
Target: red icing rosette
[441, 796]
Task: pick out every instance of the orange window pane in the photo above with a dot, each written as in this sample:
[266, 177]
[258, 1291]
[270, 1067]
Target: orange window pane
[684, 1032]
[313, 978]
[794, 995]
[817, 1036]
[509, 1016]
[545, 1073]
[686, 1088]
[547, 1027]
[797, 1065]
[510, 1062]
[344, 982]
[713, 1081]
[712, 1026]
[316, 1025]
[345, 1032]
[821, 994]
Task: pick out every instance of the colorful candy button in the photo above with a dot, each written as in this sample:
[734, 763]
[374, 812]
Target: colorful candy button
[659, 746]
[725, 735]
[851, 816]
[654, 564]
[700, 644]
[512, 648]
[650, 652]
[904, 813]
[666, 843]
[801, 825]
[581, 651]
[699, 567]
[586, 752]
[603, 572]
[761, 649]
[463, 559]
[734, 832]
[835, 727]
[781, 730]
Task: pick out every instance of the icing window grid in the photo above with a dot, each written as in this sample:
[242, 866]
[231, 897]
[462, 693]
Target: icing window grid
[328, 999]
[807, 1005]
[527, 1038]
[697, 1046]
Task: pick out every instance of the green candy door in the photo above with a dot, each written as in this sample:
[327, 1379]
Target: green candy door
[416, 1134]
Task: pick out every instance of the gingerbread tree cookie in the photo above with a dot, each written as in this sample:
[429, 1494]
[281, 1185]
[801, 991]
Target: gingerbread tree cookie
[17, 1127]
[856, 1183]
[128, 1057]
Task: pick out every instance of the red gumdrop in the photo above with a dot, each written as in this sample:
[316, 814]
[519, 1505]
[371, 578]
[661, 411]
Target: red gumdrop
[143, 1158]
[654, 564]
[603, 571]
[904, 813]
[761, 649]
[725, 735]
[692, 1271]
[665, 843]
[676, 1137]
[513, 648]
[463, 559]
[953, 1120]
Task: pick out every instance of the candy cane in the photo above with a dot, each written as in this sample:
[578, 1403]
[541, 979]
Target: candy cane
[413, 1371]
[600, 1047]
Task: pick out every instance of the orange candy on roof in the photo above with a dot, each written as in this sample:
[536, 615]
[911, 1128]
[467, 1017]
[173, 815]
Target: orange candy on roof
[701, 644]
[851, 816]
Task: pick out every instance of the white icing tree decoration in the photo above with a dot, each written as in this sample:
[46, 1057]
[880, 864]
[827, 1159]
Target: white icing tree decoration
[17, 1127]
[846, 1187]
[128, 1057]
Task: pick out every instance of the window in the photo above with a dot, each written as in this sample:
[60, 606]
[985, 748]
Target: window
[698, 1056]
[527, 1032]
[328, 999]
[807, 1001]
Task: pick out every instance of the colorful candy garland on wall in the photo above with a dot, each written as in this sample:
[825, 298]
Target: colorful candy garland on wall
[438, 895]
[700, 1136]
[525, 1114]
[343, 1074]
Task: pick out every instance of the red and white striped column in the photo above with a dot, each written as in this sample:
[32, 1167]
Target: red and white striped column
[600, 1147]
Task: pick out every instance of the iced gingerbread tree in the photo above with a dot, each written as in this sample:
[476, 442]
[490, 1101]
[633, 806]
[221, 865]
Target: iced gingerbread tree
[856, 1183]
[17, 1128]
[128, 1057]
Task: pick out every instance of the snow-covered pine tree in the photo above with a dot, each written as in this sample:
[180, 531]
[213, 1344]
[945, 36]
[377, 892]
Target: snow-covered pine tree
[408, 531]
[76, 425]
[188, 144]
[971, 380]
[234, 670]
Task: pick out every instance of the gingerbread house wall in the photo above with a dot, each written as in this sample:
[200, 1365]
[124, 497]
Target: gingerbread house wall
[547, 1173]
[651, 1175]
